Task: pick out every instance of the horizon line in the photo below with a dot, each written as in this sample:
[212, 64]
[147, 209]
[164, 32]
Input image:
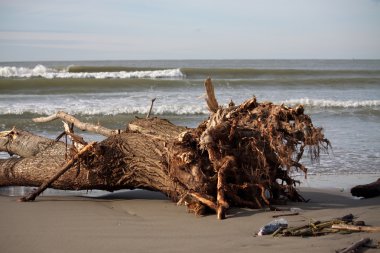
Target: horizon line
[201, 59]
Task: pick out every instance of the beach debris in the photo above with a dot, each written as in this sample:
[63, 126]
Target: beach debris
[367, 190]
[293, 211]
[354, 247]
[241, 156]
[273, 226]
[285, 214]
[296, 210]
[345, 224]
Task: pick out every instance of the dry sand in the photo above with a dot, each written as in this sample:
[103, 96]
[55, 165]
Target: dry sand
[141, 221]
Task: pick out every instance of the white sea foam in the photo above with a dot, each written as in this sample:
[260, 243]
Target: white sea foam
[125, 103]
[49, 73]
[38, 70]
[96, 107]
[328, 103]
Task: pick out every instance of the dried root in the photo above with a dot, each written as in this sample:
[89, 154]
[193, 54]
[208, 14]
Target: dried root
[250, 152]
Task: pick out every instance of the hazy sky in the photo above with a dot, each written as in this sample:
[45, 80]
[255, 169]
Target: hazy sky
[175, 29]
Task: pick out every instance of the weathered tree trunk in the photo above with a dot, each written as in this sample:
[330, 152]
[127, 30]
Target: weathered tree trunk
[241, 156]
[133, 159]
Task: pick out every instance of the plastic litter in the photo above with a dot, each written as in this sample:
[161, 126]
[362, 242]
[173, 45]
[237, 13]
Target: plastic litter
[272, 226]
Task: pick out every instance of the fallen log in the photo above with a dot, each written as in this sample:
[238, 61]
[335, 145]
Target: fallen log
[241, 156]
[367, 190]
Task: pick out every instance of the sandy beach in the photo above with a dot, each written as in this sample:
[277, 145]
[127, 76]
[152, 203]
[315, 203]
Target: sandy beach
[142, 221]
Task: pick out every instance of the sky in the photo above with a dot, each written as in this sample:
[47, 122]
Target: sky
[48, 30]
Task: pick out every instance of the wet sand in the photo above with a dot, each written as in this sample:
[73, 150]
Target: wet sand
[142, 221]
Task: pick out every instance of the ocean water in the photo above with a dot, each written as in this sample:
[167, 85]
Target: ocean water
[342, 96]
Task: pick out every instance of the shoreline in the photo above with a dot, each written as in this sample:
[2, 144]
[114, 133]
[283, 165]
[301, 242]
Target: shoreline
[143, 221]
[314, 181]
[343, 182]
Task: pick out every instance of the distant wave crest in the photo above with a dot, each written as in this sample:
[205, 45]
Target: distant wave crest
[327, 103]
[49, 73]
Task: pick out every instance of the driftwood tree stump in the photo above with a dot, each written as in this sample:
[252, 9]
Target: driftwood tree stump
[370, 190]
[241, 156]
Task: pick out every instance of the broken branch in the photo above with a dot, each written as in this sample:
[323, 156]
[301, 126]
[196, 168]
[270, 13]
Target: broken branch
[150, 109]
[355, 228]
[211, 101]
[79, 124]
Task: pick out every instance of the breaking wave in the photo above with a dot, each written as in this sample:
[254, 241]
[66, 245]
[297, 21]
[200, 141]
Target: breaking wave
[104, 109]
[121, 105]
[51, 73]
[326, 103]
